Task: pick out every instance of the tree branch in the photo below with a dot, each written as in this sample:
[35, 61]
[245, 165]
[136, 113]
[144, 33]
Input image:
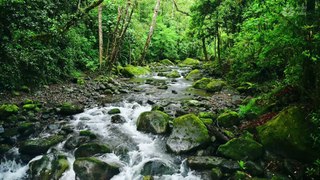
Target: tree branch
[180, 11]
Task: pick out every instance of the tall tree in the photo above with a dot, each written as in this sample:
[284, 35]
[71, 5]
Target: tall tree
[152, 26]
[100, 35]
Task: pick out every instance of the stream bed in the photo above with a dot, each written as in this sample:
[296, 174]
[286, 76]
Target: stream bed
[136, 153]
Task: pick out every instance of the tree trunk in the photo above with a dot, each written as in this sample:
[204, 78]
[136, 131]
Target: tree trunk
[218, 44]
[204, 47]
[153, 23]
[100, 35]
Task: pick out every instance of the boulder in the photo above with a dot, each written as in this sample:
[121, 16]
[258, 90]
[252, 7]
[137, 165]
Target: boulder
[92, 168]
[75, 141]
[48, 167]
[188, 133]
[173, 74]
[156, 122]
[39, 146]
[210, 85]
[242, 148]
[194, 75]
[118, 119]
[7, 110]
[134, 71]
[26, 128]
[156, 168]
[91, 149]
[167, 62]
[189, 62]
[204, 162]
[288, 134]
[228, 119]
[88, 134]
[114, 111]
[68, 108]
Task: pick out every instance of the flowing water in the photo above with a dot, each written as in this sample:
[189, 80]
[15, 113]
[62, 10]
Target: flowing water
[132, 149]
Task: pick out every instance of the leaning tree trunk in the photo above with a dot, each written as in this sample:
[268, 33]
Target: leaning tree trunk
[153, 23]
[100, 35]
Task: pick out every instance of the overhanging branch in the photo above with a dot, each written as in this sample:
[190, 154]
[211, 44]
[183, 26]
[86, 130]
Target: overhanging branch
[180, 11]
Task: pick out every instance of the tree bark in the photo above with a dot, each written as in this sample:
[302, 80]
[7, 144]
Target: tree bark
[204, 47]
[100, 35]
[176, 6]
[152, 26]
[218, 44]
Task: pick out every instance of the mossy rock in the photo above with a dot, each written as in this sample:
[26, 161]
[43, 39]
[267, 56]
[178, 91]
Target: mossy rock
[215, 85]
[167, 62]
[39, 146]
[28, 101]
[204, 162]
[4, 148]
[156, 168]
[243, 148]
[114, 111]
[7, 110]
[68, 108]
[189, 62]
[209, 115]
[92, 168]
[189, 133]
[26, 129]
[156, 122]
[173, 74]
[30, 107]
[207, 121]
[91, 149]
[48, 167]
[289, 134]
[228, 119]
[88, 134]
[194, 75]
[134, 71]
[25, 89]
[202, 83]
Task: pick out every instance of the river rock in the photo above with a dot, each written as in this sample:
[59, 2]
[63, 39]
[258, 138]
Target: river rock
[91, 149]
[156, 122]
[39, 146]
[114, 111]
[241, 148]
[67, 109]
[118, 119]
[173, 74]
[228, 119]
[26, 129]
[211, 85]
[7, 110]
[167, 62]
[155, 168]
[189, 62]
[75, 141]
[288, 134]
[204, 162]
[188, 133]
[134, 71]
[194, 75]
[48, 167]
[92, 168]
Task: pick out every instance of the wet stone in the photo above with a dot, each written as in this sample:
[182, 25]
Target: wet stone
[118, 119]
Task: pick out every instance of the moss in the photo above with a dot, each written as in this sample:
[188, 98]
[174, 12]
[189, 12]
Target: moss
[207, 121]
[68, 108]
[133, 71]
[39, 146]
[241, 148]
[7, 110]
[173, 74]
[28, 101]
[215, 85]
[194, 75]
[156, 122]
[289, 134]
[189, 132]
[29, 107]
[147, 178]
[91, 149]
[88, 133]
[26, 128]
[228, 119]
[210, 115]
[60, 166]
[216, 173]
[189, 62]
[114, 111]
[202, 83]
[167, 62]
[25, 89]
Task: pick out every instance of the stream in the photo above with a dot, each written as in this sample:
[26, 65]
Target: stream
[132, 150]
